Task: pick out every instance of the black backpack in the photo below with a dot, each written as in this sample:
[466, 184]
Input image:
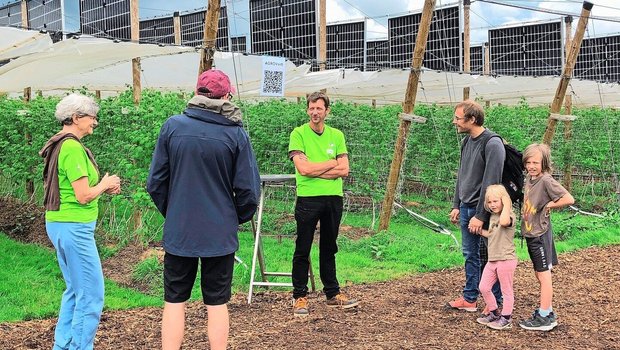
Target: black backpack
[513, 173]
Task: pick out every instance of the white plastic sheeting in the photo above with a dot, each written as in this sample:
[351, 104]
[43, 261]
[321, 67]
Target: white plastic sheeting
[100, 64]
[16, 42]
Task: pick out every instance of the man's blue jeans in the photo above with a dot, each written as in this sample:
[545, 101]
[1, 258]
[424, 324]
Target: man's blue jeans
[82, 302]
[471, 245]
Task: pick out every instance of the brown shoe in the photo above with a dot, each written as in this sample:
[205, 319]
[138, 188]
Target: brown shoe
[462, 304]
[300, 307]
[341, 301]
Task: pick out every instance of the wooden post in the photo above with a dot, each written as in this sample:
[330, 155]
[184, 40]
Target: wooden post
[27, 94]
[374, 103]
[135, 62]
[177, 27]
[568, 110]
[487, 104]
[322, 35]
[28, 139]
[24, 14]
[210, 35]
[571, 58]
[408, 106]
[466, 48]
[487, 59]
[98, 94]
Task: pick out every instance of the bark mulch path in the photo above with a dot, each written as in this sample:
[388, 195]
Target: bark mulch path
[403, 314]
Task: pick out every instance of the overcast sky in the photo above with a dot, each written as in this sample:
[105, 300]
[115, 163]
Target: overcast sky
[483, 15]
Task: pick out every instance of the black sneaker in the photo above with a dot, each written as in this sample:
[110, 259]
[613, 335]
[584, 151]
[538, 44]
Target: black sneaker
[538, 323]
[553, 318]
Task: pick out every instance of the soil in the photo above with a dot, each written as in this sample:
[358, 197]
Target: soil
[406, 313]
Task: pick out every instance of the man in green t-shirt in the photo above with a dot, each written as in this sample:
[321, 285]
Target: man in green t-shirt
[321, 161]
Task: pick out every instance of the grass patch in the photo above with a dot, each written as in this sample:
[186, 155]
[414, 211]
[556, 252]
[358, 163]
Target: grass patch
[32, 284]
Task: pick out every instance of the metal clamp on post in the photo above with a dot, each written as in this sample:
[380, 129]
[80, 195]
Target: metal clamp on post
[411, 118]
[563, 118]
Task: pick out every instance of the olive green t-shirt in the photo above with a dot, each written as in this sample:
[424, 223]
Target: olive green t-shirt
[73, 164]
[318, 148]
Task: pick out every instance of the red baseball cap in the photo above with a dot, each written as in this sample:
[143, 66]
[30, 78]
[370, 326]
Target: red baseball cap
[213, 83]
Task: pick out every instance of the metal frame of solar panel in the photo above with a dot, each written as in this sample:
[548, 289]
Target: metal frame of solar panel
[45, 14]
[285, 28]
[599, 59]
[239, 43]
[443, 45]
[193, 26]
[107, 19]
[377, 55]
[11, 15]
[530, 50]
[157, 30]
[345, 44]
[476, 59]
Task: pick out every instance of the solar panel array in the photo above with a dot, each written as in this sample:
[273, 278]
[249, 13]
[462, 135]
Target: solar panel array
[157, 30]
[239, 44]
[45, 14]
[106, 19]
[599, 59]
[443, 45]
[11, 15]
[532, 50]
[345, 45]
[476, 59]
[377, 55]
[285, 28]
[193, 26]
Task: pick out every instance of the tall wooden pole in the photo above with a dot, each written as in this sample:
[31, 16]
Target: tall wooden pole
[25, 14]
[322, 35]
[210, 35]
[176, 19]
[487, 59]
[568, 110]
[571, 58]
[408, 106]
[466, 48]
[135, 62]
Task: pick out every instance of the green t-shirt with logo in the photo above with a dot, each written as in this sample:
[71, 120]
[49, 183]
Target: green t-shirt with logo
[318, 148]
[73, 164]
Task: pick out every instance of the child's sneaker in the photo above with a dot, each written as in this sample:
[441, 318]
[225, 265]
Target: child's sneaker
[490, 317]
[553, 319]
[300, 307]
[538, 323]
[341, 300]
[462, 304]
[501, 323]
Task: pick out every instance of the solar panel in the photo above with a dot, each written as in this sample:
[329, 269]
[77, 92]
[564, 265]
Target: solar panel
[157, 30]
[599, 59]
[531, 50]
[476, 60]
[239, 44]
[192, 29]
[345, 45]
[284, 28]
[11, 15]
[377, 55]
[443, 45]
[107, 19]
[45, 14]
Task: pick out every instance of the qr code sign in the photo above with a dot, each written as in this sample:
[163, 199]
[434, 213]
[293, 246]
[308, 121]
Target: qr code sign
[273, 82]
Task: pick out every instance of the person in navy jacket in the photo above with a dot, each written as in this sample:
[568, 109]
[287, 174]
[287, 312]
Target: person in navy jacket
[205, 182]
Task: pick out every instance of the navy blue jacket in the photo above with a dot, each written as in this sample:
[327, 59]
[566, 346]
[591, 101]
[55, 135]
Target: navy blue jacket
[204, 180]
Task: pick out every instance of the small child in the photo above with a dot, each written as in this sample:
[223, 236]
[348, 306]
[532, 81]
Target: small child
[542, 193]
[502, 263]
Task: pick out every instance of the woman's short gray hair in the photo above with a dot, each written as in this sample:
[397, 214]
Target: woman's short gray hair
[75, 104]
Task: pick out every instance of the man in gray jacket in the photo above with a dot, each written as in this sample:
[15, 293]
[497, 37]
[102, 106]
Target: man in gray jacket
[482, 162]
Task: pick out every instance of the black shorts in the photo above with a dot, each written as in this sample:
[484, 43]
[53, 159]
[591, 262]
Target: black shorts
[542, 251]
[216, 275]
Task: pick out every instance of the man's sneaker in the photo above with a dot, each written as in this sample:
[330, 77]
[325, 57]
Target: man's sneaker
[300, 307]
[501, 323]
[538, 323]
[462, 304]
[341, 300]
[490, 317]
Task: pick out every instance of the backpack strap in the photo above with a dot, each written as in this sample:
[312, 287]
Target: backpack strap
[488, 138]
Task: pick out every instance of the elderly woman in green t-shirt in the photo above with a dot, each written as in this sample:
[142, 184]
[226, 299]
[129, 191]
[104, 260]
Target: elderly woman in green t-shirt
[72, 188]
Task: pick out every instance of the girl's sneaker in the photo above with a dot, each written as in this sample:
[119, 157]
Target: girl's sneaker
[491, 317]
[500, 323]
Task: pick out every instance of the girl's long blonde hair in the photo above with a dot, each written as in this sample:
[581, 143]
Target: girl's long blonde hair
[496, 191]
[544, 150]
